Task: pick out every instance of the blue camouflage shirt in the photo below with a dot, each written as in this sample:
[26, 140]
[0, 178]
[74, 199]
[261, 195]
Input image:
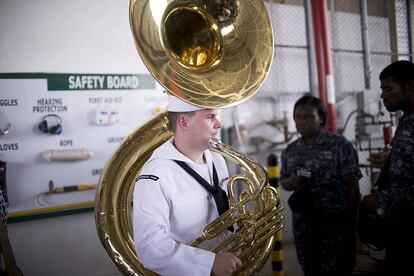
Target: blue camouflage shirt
[398, 199]
[3, 208]
[333, 162]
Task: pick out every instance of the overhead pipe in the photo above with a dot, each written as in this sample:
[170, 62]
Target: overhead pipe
[310, 41]
[410, 24]
[365, 43]
[323, 60]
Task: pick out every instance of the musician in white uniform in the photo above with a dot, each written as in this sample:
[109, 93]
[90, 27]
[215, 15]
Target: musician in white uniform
[172, 204]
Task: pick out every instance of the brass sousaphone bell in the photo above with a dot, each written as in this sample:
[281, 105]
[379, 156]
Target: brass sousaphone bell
[212, 54]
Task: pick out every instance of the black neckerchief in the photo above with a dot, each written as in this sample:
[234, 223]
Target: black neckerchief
[219, 195]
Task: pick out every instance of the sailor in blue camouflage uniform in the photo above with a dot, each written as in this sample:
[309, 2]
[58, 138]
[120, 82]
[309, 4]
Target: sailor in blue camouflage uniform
[8, 264]
[3, 208]
[3, 220]
[322, 170]
[396, 201]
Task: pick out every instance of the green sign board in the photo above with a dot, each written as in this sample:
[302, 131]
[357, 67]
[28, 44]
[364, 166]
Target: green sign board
[76, 81]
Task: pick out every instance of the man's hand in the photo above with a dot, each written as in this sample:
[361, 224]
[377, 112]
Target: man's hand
[226, 263]
[370, 202]
[293, 182]
[377, 159]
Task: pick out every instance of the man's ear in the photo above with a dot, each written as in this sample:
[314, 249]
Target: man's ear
[410, 86]
[182, 122]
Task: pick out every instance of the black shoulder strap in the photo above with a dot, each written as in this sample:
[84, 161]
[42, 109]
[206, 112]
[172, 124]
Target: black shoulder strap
[383, 180]
[220, 196]
[198, 177]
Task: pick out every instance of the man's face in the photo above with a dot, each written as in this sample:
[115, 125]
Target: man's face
[307, 120]
[204, 125]
[393, 95]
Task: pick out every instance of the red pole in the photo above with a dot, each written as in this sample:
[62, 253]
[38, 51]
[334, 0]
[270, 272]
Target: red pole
[323, 60]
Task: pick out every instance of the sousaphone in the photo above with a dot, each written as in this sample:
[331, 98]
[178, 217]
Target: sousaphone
[212, 54]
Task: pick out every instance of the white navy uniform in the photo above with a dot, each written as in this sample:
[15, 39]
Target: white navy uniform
[170, 210]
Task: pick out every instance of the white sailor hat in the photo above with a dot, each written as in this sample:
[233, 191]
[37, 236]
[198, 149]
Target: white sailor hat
[177, 105]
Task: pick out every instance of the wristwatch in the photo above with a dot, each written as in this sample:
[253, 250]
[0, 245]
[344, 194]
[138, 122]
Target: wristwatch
[380, 211]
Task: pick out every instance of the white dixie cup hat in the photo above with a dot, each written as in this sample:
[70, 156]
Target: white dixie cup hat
[175, 104]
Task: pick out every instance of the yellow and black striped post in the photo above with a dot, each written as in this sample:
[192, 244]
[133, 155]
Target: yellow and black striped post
[277, 254]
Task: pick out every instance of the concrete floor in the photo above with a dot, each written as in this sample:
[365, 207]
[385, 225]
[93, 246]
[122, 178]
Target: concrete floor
[367, 261]
[290, 265]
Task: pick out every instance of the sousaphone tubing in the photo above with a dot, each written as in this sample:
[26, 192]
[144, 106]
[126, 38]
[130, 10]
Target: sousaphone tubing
[212, 54]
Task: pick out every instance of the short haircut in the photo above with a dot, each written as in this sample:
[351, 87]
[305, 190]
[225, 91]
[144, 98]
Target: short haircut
[401, 71]
[173, 116]
[316, 103]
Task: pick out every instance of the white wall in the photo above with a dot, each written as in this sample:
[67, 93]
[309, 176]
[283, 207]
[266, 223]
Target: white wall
[68, 37]
[94, 37]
